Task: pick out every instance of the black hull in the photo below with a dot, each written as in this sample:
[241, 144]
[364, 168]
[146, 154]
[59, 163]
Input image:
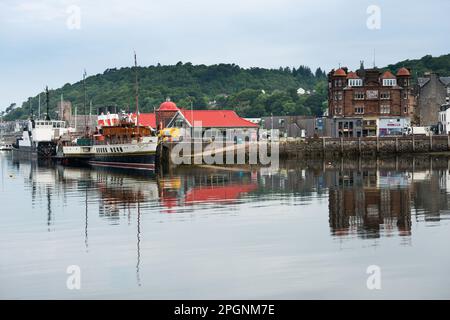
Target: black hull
[144, 161]
[44, 150]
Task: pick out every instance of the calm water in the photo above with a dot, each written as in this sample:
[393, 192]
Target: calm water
[307, 230]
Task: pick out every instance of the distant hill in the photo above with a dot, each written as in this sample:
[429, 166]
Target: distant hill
[252, 92]
[428, 63]
[224, 85]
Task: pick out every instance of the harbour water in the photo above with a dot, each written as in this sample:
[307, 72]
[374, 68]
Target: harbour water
[306, 230]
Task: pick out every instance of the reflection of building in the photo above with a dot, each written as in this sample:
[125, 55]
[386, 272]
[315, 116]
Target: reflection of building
[358, 205]
[203, 187]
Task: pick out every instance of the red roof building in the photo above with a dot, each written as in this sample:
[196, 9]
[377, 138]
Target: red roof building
[145, 119]
[215, 119]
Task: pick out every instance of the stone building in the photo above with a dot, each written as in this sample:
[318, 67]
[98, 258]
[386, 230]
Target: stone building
[64, 110]
[357, 100]
[290, 126]
[432, 92]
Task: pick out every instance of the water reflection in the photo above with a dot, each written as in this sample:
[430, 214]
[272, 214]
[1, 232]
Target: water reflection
[157, 226]
[367, 198]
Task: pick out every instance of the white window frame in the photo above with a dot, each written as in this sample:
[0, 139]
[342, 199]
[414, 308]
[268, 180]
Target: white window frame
[389, 82]
[355, 82]
[385, 109]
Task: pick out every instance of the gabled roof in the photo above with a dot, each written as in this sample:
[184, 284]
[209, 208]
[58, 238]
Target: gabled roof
[388, 75]
[216, 119]
[352, 75]
[445, 80]
[423, 81]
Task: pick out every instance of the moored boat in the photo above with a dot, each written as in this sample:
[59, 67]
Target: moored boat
[5, 147]
[121, 146]
[39, 138]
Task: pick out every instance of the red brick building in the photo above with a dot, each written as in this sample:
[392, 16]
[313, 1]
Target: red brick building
[370, 102]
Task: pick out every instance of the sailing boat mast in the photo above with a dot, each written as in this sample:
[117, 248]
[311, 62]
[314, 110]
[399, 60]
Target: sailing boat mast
[137, 92]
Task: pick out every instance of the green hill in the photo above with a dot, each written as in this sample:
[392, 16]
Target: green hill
[428, 63]
[252, 92]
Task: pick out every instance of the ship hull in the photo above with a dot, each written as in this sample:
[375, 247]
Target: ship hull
[44, 150]
[126, 156]
[140, 162]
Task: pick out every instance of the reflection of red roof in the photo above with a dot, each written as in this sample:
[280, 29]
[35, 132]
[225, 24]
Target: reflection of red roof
[217, 119]
[214, 193]
[146, 119]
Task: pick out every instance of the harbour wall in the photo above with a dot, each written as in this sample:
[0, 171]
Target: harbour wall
[364, 146]
[317, 148]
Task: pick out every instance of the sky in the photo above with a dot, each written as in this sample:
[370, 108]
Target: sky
[51, 42]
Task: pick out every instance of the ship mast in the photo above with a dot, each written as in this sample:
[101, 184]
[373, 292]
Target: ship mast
[137, 93]
[47, 118]
[85, 102]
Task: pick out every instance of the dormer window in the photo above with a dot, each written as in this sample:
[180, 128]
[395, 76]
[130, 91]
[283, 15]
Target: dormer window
[389, 82]
[355, 82]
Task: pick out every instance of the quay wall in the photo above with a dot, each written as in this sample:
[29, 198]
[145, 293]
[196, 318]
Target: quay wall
[327, 147]
[364, 146]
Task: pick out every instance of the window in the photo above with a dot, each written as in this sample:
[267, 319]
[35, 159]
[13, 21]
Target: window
[405, 95]
[389, 82]
[385, 108]
[339, 95]
[386, 95]
[448, 91]
[337, 110]
[355, 82]
[179, 123]
[358, 95]
[359, 110]
[281, 122]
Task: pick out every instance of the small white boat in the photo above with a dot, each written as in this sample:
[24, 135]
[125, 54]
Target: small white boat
[5, 147]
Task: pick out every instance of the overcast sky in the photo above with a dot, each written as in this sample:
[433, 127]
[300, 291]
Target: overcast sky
[40, 42]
